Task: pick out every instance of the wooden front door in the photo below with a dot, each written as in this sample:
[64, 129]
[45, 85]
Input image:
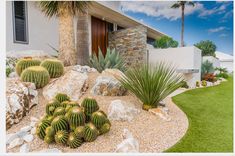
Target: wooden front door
[99, 35]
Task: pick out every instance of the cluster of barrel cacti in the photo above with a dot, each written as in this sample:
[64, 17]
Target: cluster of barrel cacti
[37, 72]
[68, 123]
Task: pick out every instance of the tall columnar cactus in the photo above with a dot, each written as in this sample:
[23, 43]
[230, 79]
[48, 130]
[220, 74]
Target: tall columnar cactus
[79, 131]
[61, 137]
[90, 105]
[74, 141]
[59, 111]
[37, 75]
[62, 97]
[51, 106]
[90, 132]
[54, 66]
[24, 63]
[41, 128]
[98, 119]
[76, 117]
[59, 123]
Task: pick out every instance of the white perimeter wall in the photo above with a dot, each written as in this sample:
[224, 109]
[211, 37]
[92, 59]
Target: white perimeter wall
[215, 61]
[228, 65]
[181, 58]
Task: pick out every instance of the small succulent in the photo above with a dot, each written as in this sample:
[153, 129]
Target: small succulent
[59, 111]
[59, 123]
[197, 84]
[62, 97]
[41, 127]
[37, 75]
[104, 128]
[54, 66]
[74, 141]
[204, 83]
[90, 132]
[76, 117]
[98, 119]
[24, 63]
[90, 105]
[51, 106]
[61, 137]
[79, 131]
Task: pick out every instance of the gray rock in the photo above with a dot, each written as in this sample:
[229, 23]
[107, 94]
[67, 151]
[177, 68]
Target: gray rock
[16, 142]
[28, 138]
[83, 69]
[108, 86]
[13, 75]
[11, 137]
[33, 131]
[26, 128]
[33, 119]
[24, 148]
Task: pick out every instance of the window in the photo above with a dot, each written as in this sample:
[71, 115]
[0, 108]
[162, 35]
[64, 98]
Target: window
[110, 26]
[20, 31]
[119, 27]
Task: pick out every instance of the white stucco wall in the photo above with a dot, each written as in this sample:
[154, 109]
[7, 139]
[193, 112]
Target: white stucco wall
[41, 30]
[181, 58]
[215, 61]
[228, 65]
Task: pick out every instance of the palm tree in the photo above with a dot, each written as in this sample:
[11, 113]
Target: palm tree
[65, 11]
[182, 4]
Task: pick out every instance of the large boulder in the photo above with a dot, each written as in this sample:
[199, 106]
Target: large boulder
[20, 98]
[107, 84]
[72, 83]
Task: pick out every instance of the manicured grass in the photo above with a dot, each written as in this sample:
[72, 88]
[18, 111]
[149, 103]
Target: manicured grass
[210, 114]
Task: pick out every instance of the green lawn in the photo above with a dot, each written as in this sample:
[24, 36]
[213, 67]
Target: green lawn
[210, 114]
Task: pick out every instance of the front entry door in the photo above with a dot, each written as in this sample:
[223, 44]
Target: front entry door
[99, 35]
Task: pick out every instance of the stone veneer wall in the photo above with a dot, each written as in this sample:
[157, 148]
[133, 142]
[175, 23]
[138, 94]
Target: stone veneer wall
[131, 43]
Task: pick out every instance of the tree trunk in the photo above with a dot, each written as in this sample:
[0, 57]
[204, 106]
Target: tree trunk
[82, 39]
[182, 27]
[66, 38]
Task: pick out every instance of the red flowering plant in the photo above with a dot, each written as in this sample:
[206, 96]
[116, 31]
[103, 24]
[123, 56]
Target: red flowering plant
[209, 77]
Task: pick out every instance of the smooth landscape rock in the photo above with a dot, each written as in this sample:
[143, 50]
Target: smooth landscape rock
[16, 142]
[161, 112]
[33, 131]
[108, 86]
[72, 83]
[20, 98]
[33, 119]
[113, 72]
[28, 138]
[122, 111]
[26, 128]
[10, 137]
[24, 148]
[83, 69]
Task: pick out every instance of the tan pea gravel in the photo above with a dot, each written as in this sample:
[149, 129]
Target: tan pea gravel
[153, 133]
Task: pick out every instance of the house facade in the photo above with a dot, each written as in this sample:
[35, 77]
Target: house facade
[29, 29]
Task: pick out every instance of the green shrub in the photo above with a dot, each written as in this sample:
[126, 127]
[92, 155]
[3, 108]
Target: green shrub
[206, 68]
[54, 66]
[184, 84]
[165, 42]
[197, 84]
[207, 47]
[151, 84]
[111, 60]
[24, 63]
[37, 75]
[223, 72]
[223, 75]
[204, 83]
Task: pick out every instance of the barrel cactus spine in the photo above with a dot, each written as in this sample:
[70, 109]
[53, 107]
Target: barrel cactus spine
[59, 111]
[76, 117]
[37, 75]
[74, 141]
[59, 123]
[24, 63]
[90, 132]
[98, 119]
[54, 66]
[62, 97]
[61, 137]
[41, 127]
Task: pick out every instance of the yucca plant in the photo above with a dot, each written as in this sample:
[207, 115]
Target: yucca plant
[112, 59]
[151, 84]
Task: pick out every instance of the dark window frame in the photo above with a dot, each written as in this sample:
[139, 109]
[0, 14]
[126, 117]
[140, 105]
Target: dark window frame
[25, 23]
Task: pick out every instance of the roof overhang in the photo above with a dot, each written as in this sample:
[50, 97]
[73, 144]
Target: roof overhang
[103, 12]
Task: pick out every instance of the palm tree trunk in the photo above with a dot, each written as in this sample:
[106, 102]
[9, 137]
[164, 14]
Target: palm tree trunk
[82, 39]
[66, 38]
[182, 26]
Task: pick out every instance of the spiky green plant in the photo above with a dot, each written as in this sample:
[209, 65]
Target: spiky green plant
[74, 141]
[104, 128]
[61, 137]
[41, 128]
[112, 59]
[206, 68]
[90, 132]
[24, 63]
[54, 66]
[50, 131]
[62, 97]
[76, 117]
[51, 106]
[197, 84]
[59, 123]
[98, 119]
[49, 139]
[204, 83]
[90, 105]
[37, 75]
[59, 111]
[151, 84]
[79, 131]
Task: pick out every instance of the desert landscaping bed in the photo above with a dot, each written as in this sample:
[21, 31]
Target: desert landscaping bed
[152, 132]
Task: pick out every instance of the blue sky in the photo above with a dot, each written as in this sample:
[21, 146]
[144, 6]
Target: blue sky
[207, 20]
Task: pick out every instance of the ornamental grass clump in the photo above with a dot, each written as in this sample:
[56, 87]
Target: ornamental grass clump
[152, 84]
[68, 123]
